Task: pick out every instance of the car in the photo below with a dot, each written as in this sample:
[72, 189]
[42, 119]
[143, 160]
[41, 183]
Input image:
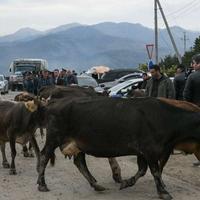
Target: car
[110, 84]
[121, 89]
[116, 74]
[88, 81]
[3, 84]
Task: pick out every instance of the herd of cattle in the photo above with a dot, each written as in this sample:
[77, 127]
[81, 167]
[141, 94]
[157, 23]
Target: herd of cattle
[80, 122]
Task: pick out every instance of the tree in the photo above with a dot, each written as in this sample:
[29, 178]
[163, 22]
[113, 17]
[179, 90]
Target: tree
[196, 47]
[143, 67]
[169, 61]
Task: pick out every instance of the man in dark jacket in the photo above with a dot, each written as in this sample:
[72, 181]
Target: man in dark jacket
[71, 78]
[179, 82]
[191, 91]
[57, 79]
[44, 80]
[145, 79]
[159, 85]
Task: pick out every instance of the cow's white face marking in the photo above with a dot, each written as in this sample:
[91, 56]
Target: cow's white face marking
[30, 105]
[70, 149]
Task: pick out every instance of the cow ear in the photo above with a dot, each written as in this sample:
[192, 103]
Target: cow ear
[31, 106]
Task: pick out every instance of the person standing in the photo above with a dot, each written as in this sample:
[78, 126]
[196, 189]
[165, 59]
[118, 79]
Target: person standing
[179, 82]
[44, 80]
[29, 83]
[57, 80]
[159, 85]
[145, 78]
[191, 91]
[71, 78]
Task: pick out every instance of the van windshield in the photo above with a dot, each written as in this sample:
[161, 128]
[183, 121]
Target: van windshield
[25, 68]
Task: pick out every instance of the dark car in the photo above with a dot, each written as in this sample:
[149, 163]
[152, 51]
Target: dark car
[116, 74]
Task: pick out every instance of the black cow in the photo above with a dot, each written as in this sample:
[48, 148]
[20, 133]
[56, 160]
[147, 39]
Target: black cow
[63, 91]
[138, 128]
[55, 93]
[18, 123]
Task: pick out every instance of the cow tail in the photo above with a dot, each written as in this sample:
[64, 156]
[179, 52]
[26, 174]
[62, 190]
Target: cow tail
[52, 159]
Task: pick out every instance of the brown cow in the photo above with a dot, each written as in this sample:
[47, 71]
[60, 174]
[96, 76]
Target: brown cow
[24, 97]
[18, 123]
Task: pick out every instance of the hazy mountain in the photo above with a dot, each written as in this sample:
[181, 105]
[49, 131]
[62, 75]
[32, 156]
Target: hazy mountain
[146, 35]
[21, 34]
[62, 28]
[126, 30]
[80, 47]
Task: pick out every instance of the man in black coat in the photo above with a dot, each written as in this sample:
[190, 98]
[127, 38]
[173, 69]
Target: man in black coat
[191, 91]
[179, 82]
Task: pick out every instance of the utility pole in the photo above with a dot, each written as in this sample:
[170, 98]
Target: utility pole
[168, 30]
[156, 30]
[184, 41]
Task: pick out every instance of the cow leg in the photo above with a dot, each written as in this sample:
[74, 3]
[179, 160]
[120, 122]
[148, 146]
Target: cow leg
[30, 150]
[5, 163]
[13, 155]
[116, 171]
[80, 163]
[142, 169]
[155, 171]
[41, 132]
[162, 163]
[34, 144]
[25, 150]
[45, 155]
[197, 155]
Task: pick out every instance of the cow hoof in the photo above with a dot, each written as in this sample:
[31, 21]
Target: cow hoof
[127, 183]
[98, 188]
[165, 196]
[12, 172]
[6, 165]
[117, 178]
[196, 164]
[43, 188]
[31, 155]
[26, 154]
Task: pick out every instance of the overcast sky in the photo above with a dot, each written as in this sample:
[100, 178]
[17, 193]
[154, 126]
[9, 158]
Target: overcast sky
[45, 14]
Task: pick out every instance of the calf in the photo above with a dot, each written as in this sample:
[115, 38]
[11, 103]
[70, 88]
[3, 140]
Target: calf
[24, 97]
[137, 129]
[18, 122]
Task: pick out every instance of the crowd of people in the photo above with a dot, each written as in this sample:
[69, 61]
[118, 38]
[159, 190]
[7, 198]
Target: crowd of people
[34, 81]
[185, 86]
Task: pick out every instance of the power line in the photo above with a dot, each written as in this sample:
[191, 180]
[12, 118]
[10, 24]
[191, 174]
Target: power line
[185, 8]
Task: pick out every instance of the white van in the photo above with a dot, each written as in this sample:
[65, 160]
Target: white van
[19, 66]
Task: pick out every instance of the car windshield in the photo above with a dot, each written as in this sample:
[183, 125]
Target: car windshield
[86, 81]
[1, 78]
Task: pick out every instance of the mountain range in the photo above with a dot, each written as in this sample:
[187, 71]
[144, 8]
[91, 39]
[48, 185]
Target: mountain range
[80, 47]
